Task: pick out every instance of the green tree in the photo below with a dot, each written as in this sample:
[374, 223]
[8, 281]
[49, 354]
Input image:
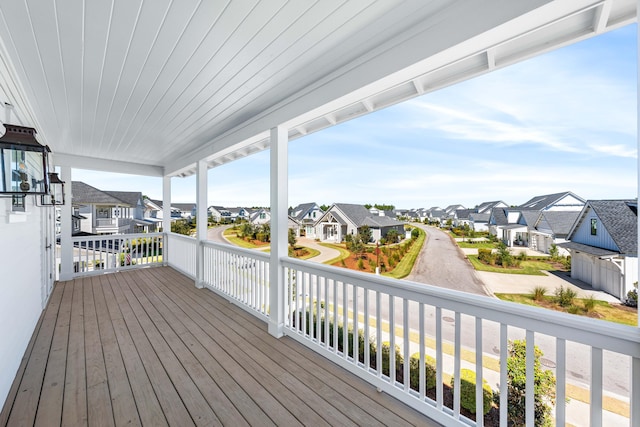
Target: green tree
[365, 233]
[392, 236]
[544, 383]
[324, 208]
[247, 230]
[292, 238]
[504, 255]
[554, 252]
[368, 205]
[357, 246]
[181, 227]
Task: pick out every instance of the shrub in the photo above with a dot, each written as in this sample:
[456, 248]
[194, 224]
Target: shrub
[573, 309]
[553, 251]
[632, 296]
[386, 360]
[589, 303]
[539, 292]
[565, 296]
[522, 256]
[544, 381]
[429, 372]
[485, 255]
[468, 392]
[415, 233]
[360, 264]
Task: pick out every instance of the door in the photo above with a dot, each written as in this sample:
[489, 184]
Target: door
[49, 252]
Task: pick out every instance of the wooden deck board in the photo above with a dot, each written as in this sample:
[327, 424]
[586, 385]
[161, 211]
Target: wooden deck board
[145, 347]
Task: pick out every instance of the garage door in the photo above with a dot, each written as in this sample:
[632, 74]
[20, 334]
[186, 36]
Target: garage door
[609, 279]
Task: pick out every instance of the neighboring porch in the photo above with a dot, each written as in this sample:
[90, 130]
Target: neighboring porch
[145, 347]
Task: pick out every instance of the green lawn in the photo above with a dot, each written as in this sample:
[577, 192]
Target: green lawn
[404, 267]
[478, 245]
[532, 267]
[602, 310]
[344, 253]
[232, 236]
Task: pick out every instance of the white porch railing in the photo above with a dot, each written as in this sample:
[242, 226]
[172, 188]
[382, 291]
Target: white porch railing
[182, 253]
[103, 254]
[415, 318]
[240, 275]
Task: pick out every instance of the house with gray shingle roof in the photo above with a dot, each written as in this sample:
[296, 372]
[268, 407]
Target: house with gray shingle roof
[342, 219]
[566, 201]
[108, 212]
[604, 246]
[306, 215]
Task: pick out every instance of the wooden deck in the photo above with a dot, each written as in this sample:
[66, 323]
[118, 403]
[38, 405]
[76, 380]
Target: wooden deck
[145, 347]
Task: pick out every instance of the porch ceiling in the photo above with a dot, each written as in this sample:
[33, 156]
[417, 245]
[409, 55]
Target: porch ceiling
[162, 84]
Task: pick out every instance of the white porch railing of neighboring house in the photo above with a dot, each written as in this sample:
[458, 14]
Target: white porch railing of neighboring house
[113, 222]
[181, 253]
[240, 275]
[102, 254]
[457, 329]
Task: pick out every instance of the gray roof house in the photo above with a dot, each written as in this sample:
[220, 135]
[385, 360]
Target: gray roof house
[604, 246]
[345, 218]
[566, 201]
[306, 215]
[109, 212]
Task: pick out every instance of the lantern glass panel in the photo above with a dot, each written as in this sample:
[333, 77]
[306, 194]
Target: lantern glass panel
[23, 171]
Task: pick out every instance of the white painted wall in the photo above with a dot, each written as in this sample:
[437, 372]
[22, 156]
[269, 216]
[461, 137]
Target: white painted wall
[20, 285]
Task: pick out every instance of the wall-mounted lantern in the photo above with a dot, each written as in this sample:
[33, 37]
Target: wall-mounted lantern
[23, 163]
[56, 192]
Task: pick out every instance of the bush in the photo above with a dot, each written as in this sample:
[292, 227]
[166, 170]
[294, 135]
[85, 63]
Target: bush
[429, 372]
[468, 392]
[565, 296]
[632, 296]
[544, 381]
[360, 264]
[386, 361]
[538, 293]
[589, 303]
[553, 251]
[486, 255]
[415, 233]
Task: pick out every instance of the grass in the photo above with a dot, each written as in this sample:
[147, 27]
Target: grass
[232, 236]
[344, 253]
[531, 268]
[404, 267]
[601, 309]
[310, 252]
[478, 245]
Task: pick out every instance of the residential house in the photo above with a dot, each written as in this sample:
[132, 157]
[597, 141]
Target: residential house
[538, 223]
[239, 214]
[183, 210]
[78, 69]
[260, 216]
[342, 219]
[306, 215]
[219, 214]
[103, 212]
[604, 245]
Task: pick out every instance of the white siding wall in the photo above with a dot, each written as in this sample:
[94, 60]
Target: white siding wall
[20, 286]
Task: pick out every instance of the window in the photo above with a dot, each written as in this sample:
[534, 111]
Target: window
[17, 203]
[594, 227]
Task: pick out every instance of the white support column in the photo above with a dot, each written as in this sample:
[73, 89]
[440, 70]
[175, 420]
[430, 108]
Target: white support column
[166, 215]
[279, 199]
[201, 219]
[66, 245]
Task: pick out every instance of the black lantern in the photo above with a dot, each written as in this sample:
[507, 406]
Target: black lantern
[56, 192]
[23, 163]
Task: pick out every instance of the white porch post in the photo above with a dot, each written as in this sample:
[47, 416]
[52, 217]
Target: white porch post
[635, 362]
[201, 219]
[279, 199]
[166, 215]
[66, 245]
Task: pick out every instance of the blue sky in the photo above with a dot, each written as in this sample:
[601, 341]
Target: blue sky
[562, 121]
